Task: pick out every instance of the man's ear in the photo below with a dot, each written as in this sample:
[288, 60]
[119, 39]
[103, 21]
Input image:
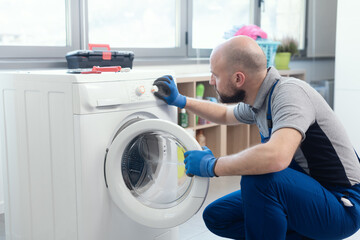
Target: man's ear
[239, 79]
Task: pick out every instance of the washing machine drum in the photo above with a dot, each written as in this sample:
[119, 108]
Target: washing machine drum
[135, 159]
[146, 174]
[153, 170]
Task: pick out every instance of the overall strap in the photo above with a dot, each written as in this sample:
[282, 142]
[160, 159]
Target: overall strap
[268, 115]
[357, 155]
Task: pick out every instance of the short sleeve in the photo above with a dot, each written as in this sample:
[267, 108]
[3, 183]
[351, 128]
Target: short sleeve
[292, 108]
[244, 114]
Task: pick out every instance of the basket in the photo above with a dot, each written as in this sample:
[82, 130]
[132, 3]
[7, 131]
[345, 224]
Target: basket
[269, 48]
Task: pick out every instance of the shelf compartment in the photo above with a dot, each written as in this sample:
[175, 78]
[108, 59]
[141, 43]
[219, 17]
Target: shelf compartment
[213, 141]
[237, 138]
[209, 89]
[187, 89]
[254, 135]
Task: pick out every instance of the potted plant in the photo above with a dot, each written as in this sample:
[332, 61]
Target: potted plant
[284, 52]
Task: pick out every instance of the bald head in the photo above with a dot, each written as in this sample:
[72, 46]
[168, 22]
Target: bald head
[241, 53]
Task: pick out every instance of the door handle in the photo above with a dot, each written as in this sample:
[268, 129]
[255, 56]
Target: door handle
[108, 102]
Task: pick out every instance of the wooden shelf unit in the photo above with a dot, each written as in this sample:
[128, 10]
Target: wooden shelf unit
[222, 139]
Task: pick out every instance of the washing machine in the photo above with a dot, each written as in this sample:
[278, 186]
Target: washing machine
[93, 156]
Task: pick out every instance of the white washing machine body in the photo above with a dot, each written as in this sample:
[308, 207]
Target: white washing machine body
[93, 156]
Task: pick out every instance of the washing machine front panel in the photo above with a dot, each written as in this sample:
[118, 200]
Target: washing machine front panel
[146, 175]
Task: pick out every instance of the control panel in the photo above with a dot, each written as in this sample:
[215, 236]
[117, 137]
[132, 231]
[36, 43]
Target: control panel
[140, 91]
[108, 96]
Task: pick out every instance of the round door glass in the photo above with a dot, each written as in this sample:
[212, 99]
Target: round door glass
[153, 169]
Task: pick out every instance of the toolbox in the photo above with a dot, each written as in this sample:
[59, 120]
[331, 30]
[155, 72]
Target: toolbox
[101, 58]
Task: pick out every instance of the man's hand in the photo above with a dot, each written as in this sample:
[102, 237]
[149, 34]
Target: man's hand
[168, 91]
[200, 163]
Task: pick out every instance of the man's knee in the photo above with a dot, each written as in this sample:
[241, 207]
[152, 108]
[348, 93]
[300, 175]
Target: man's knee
[210, 215]
[221, 223]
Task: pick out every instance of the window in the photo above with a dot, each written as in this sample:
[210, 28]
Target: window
[154, 25]
[151, 24]
[212, 18]
[154, 28]
[23, 23]
[284, 18]
[41, 28]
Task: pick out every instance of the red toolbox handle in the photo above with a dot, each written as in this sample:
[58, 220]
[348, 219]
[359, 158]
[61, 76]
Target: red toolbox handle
[105, 55]
[106, 69]
[92, 45]
[98, 70]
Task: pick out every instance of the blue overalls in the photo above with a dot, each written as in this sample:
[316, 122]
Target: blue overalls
[284, 205]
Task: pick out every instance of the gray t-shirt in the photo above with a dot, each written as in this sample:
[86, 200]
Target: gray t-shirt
[325, 153]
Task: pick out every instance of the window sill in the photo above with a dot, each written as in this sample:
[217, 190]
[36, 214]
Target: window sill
[57, 63]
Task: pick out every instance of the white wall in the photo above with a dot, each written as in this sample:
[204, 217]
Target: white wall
[347, 78]
[1, 189]
[347, 45]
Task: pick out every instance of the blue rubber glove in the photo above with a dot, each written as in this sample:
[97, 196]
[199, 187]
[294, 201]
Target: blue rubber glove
[169, 92]
[200, 163]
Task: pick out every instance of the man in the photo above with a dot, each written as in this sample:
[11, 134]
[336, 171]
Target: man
[303, 180]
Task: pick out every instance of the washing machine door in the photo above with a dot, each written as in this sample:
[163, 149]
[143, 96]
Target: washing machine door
[146, 176]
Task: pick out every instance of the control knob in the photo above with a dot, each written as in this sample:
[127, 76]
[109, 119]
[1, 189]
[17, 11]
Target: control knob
[140, 90]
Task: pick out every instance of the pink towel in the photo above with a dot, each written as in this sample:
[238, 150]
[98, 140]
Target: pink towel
[252, 31]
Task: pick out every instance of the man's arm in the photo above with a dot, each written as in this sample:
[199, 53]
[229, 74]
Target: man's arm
[168, 92]
[214, 112]
[269, 157]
